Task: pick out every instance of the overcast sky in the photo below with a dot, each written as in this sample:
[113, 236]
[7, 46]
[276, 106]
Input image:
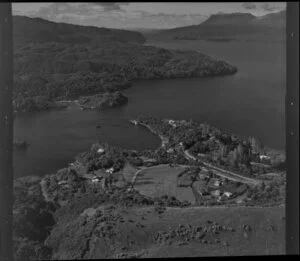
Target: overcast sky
[139, 15]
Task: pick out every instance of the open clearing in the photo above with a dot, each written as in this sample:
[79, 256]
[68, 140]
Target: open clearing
[161, 180]
[266, 236]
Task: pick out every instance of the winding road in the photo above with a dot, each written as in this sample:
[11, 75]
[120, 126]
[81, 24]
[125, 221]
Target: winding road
[225, 173]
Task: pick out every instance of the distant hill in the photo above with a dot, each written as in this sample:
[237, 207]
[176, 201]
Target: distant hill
[28, 30]
[145, 30]
[235, 26]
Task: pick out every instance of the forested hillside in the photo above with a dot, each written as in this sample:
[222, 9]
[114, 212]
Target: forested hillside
[62, 61]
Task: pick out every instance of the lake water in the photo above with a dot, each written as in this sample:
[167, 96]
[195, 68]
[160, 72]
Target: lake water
[249, 103]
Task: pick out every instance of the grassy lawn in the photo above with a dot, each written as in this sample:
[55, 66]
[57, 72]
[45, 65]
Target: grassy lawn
[162, 180]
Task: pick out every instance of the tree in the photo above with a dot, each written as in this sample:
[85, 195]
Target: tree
[205, 129]
[234, 158]
[256, 144]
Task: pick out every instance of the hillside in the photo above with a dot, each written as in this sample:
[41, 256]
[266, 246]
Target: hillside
[82, 212]
[235, 26]
[63, 61]
[37, 30]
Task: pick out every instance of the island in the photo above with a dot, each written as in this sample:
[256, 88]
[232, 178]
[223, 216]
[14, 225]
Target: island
[217, 185]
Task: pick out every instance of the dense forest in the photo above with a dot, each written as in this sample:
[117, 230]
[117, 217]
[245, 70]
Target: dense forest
[66, 65]
[220, 148]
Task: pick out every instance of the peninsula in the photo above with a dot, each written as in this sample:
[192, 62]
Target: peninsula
[60, 67]
[108, 194]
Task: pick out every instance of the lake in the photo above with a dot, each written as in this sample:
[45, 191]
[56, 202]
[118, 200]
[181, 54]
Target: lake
[249, 103]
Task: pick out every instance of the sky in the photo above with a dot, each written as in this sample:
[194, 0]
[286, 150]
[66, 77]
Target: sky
[154, 15]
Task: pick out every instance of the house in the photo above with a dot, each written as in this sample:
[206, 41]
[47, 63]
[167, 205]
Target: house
[100, 151]
[261, 157]
[110, 170]
[172, 122]
[62, 182]
[181, 144]
[74, 164]
[134, 122]
[95, 179]
[217, 183]
[171, 150]
[227, 194]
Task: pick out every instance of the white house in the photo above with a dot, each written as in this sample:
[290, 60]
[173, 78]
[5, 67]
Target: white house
[95, 179]
[170, 150]
[62, 182]
[264, 157]
[100, 151]
[111, 170]
[227, 194]
[172, 122]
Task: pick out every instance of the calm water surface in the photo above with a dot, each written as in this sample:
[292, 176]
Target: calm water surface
[249, 103]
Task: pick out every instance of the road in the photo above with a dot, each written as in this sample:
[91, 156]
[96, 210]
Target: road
[225, 173]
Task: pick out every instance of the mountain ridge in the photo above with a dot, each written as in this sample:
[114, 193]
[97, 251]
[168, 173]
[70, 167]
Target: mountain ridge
[241, 26]
[27, 29]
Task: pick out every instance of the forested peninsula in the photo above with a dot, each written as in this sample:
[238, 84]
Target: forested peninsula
[84, 60]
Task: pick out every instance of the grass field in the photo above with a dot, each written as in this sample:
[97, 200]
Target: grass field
[128, 172]
[267, 235]
[266, 238]
[162, 180]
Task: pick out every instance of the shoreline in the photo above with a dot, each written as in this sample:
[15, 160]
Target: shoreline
[164, 140]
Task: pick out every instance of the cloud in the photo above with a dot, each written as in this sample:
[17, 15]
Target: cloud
[54, 11]
[249, 6]
[81, 13]
[269, 7]
[111, 6]
[114, 15]
[169, 20]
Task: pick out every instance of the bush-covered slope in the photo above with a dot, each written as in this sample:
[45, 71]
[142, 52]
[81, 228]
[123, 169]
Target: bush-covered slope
[47, 65]
[27, 30]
